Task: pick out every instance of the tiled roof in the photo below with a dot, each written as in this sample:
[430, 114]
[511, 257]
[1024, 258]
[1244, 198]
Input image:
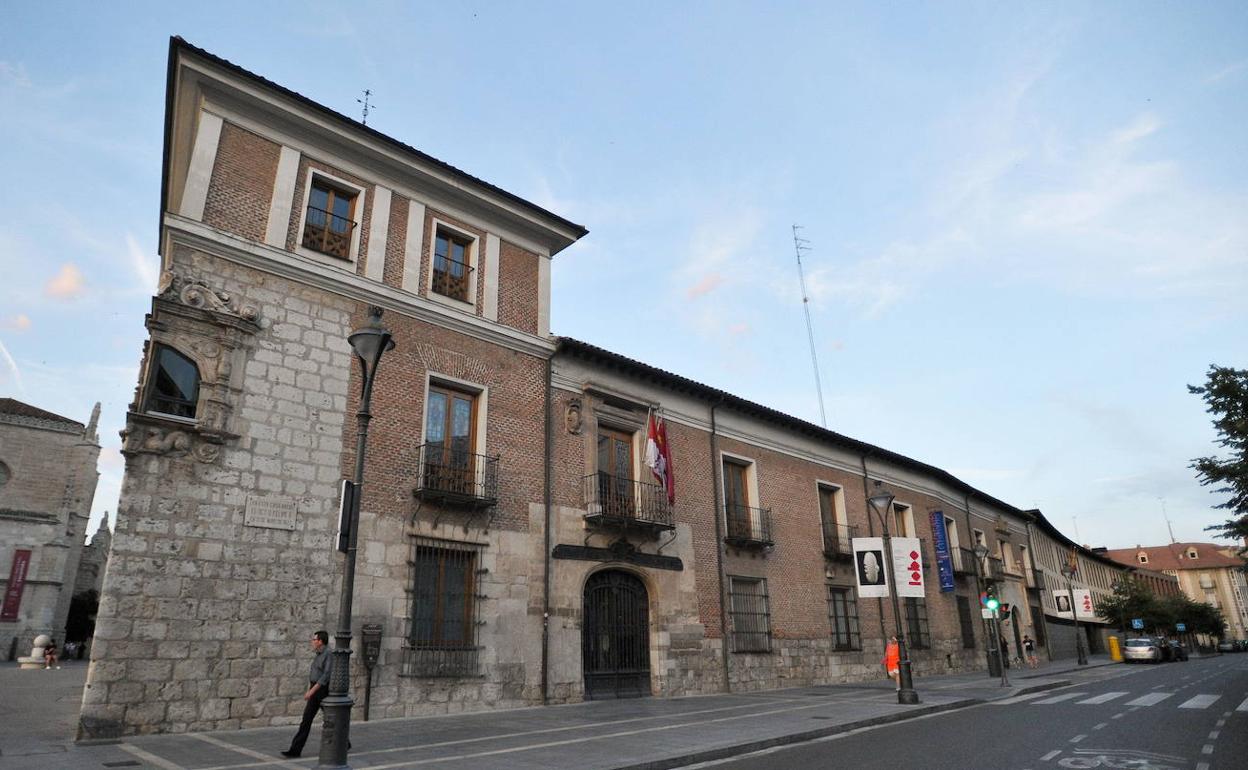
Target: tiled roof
[19, 409]
[1174, 556]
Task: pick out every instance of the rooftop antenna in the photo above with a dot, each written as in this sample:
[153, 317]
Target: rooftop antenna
[1165, 516]
[1075, 519]
[799, 245]
[367, 106]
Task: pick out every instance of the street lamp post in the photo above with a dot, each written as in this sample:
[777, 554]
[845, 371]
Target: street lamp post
[368, 344]
[1068, 572]
[994, 644]
[882, 503]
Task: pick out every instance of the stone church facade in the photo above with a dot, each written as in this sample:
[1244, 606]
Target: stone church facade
[513, 548]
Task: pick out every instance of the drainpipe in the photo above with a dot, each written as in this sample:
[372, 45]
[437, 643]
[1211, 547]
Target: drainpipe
[866, 494]
[719, 548]
[546, 499]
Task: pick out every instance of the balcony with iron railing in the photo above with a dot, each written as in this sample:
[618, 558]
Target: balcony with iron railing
[747, 527]
[327, 232]
[1035, 580]
[963, 561]
[456, 478]
[838, 541]
[993, 569]
[451, 278]
[623, 503]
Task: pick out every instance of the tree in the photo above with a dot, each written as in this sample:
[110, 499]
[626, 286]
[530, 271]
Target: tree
[1198, 617]
[1225, 393]
[1131, 599]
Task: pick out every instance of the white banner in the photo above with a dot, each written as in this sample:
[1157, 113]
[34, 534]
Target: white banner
[1083, 603]
[869, 567]
[908, 566]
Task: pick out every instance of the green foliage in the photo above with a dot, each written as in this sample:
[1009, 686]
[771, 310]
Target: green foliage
[1133, 599]
[1225, 394]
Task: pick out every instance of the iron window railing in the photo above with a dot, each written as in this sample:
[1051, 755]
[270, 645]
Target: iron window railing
[843, 618]
[1035, 580]
[838, 540]
[993, 569]
[456, 477]
[917, 634]
[327, 232]
[452, 278]
[963, 561]
[747, 527]
[445, 617]
[751, 618]
[621, 501]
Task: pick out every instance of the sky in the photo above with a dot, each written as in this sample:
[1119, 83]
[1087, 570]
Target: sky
[1028, 223]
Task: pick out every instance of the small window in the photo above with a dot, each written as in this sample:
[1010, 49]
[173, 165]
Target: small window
[751, 621]
[916, 624]
[330, 222]
[452, 269]
[1143, 557]
[1191, 554]
[843, 615]
[442, 636]
[903, 522]
[174, 385]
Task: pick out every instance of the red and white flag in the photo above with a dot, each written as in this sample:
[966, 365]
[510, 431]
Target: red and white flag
[659, 455]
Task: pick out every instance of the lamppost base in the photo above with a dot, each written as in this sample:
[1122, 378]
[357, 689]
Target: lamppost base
[907, 697]
[335, 732]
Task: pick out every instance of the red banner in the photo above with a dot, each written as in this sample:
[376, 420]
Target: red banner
[17, 584]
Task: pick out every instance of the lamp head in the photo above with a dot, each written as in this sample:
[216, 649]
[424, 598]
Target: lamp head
[981, 551]
[369, 342]
[881, 501]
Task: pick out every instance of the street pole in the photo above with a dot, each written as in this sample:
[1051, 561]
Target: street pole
[996, 630]
[368, 344]
[1074, 616]
[882, 502]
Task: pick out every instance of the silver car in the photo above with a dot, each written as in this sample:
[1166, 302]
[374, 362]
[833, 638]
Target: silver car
[1145, 648]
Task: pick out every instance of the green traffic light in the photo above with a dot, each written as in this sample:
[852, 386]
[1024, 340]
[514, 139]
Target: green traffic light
[992, 603]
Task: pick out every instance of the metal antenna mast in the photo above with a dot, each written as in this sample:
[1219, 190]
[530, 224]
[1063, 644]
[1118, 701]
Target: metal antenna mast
[799, 245]
[1166, 516]
[367, 106]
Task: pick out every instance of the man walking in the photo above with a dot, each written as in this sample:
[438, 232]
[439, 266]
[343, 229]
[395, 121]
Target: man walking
[318, 688]
[1029, 648]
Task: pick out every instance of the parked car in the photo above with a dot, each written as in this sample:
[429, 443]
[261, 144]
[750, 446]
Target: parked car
[1145, 648]
[1167, 653]
[1228, 645]
[1177, 651]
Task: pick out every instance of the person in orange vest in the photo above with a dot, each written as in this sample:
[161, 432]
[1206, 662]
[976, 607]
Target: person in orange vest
[892, 660]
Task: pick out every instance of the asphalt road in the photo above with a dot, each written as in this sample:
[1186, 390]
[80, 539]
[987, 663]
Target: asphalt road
[1173, 716]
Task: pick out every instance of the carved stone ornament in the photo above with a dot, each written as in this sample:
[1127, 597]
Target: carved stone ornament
[197, 294]
[572, 417]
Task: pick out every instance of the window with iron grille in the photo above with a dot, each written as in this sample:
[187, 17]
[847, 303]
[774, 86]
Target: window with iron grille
[329, 222]
[916, 624]
[445, 609]
[751, 621]
[967, 622]
[452, 272]
[843, 613]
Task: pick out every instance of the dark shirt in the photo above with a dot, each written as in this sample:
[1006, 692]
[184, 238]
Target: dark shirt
[318, 672]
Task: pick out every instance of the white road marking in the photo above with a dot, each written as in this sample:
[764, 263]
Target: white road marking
[1213, 736]
[1243, 706]
[1104, 698]
[1050, 755]
[1202, 766]
[1059, 698]
[1119, 716]
[1077, 738]
[160, 762]
[1200, 702]
[1152, 699]
[1101, 726]
[1018, 699]
[1207, 748]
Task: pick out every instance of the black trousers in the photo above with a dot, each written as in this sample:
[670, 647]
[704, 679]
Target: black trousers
[310, 707]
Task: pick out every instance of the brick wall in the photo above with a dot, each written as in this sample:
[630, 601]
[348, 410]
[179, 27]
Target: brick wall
[241, 186]
[517, 288]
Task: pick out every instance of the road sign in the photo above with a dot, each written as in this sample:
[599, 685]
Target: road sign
[1180, 627]
[1137, 623]
[987, 613]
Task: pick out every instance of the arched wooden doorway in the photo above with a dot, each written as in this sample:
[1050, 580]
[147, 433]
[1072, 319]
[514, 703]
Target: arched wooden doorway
[615, 636]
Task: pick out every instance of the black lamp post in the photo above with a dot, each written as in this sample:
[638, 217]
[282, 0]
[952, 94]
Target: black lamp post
[882, 503]
[994, 644]
[368, 344]
[1069, 571]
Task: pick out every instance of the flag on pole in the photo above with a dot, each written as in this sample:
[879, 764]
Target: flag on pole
[659, 455]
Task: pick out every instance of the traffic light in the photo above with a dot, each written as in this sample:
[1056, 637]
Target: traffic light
[989, 598]
[1005, 611]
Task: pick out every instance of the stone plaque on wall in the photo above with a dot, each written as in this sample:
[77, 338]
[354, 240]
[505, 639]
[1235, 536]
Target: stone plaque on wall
[270, 512]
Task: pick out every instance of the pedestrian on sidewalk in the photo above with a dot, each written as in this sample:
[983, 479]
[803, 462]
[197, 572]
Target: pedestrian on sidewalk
[892, 660]
[1029, 647]
[1005, 652]
[318, 688]
[49, 656]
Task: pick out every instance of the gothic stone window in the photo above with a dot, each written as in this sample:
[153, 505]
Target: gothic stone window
[173, 387]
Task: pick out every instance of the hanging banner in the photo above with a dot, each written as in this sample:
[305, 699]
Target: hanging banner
[17, 584]
[908, 566]
[869, 568]
[944, 557]
[1083, 603]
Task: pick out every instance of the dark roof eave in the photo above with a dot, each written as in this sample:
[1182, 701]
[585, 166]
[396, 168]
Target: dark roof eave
[593, 352]
[178, 45]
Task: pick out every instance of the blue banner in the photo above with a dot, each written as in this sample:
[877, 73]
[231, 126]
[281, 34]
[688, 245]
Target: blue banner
[944, 560]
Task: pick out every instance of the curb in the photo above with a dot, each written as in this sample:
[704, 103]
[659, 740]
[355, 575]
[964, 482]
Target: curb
[726, 752]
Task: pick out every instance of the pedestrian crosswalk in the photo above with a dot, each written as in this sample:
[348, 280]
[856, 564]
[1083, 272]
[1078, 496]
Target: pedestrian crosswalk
[1122, 698]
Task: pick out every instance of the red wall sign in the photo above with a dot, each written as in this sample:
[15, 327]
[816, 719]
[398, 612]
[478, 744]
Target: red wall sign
[17, 584]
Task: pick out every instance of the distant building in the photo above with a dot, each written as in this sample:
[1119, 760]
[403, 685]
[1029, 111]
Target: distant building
[1207, 572]
[47, 483]
[94, 559]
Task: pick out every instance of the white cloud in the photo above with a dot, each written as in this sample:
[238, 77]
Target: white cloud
[146, 266]
[19, 322]
[10, 374]
[14, 74]
[67, 284]
[1228, 72]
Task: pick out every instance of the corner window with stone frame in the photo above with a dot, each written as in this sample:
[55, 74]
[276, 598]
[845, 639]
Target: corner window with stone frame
[172, 384]
[452, 268]
[442, 638]
[751, 618]
[843, 616]
[329, 222]
[917, 633]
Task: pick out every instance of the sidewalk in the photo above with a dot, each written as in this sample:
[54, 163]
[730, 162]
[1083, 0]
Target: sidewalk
[40, 708]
